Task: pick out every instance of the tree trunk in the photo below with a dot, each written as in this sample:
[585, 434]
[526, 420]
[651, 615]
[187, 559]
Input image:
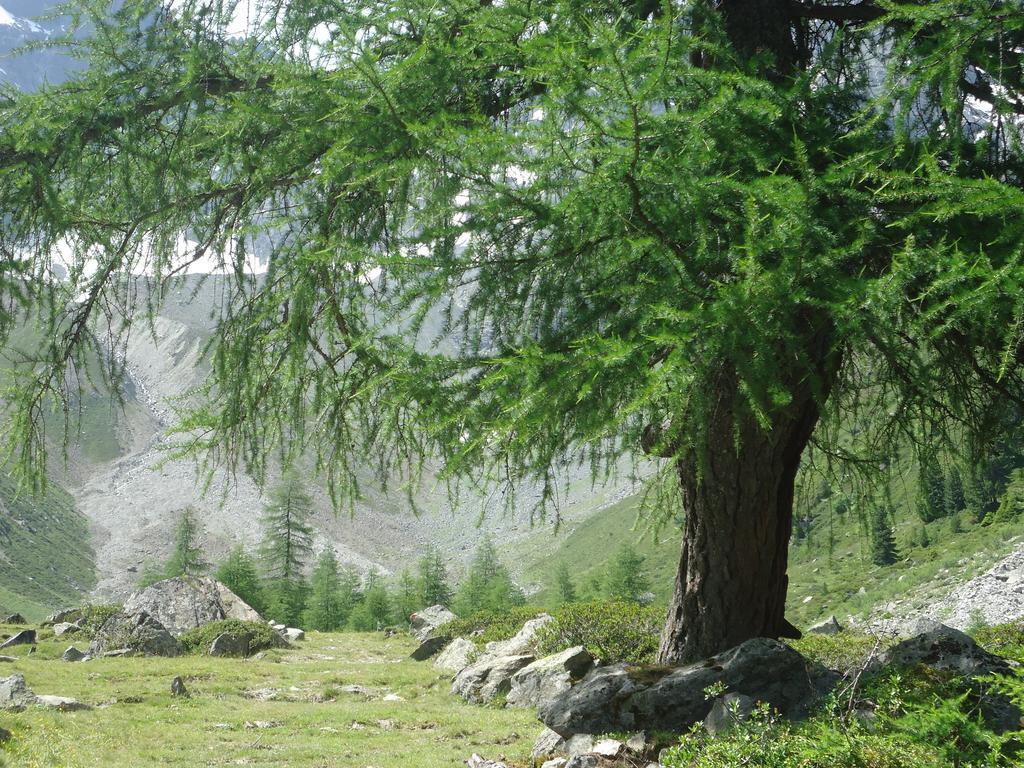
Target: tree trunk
[738, 504]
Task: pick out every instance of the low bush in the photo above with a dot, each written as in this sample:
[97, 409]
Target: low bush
[612, 632]
[261, 636]
[93, 616]
[487, 626]
[1003, 639]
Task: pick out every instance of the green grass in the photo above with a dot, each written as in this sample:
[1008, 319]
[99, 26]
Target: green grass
[136, 722]
[45, 557]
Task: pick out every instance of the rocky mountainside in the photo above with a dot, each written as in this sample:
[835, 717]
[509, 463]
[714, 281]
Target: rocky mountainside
[18, 27]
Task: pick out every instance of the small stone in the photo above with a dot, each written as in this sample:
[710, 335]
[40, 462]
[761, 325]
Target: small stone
[547, 744]
[291, 634]
[557, 762]
[262, 724]
[178, 687]
[393, 697]
[583, 761]
[428, 648]
[610, 748]
[25, 637]
[14, 694]
[73, 654]
[8, 659]
[5, 735]
[637, 743]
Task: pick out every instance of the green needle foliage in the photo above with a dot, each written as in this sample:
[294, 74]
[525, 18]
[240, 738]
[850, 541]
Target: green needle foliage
[432, 580]
[325, 609]
[503, 237]
[626, 581]
[240, 574]
[187, 557]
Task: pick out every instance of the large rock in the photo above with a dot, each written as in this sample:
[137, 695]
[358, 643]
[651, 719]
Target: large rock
[457, 655]
[15, 618]
[728, 711]
[137, 633]
[428, 648]
[186, 602]
[293, 634]
[72, 654]
[65, 628]
[25, 637]
[621, 698]
[61, 703]
[14, 694]
[66, 615]
[426, 621]
[942, 647]
[484, 680]
[548, 677]
[524, 640]
[829, 626]
[231, 644]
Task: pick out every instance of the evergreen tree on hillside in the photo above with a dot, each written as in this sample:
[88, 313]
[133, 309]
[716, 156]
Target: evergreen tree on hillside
[349, 595]
[717, 233]
[882, 540]
[239, 573]
[406, 598]
[626, 578]
[432, 577]
[566, 588]
[931, 503]
[487, 586]
[286, 547]
[324, 608]
[374, 609]
[187, 557]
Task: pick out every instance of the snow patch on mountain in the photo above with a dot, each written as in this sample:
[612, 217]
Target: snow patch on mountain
[8, 19]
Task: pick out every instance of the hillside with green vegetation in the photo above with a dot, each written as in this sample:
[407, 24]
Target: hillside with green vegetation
[46, 560]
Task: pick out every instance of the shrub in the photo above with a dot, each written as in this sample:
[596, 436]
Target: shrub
[1006, 640]
[488, 626]
[93, 616]
[261, 636]
[612, 632]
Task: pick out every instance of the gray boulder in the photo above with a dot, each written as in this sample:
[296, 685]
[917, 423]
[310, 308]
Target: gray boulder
[186, 602]
[489, 677]
[727, 711]
[72, 654]
[293, 635]
[942, 647]
[61, 703]
[178, 687]
[25, 637]
[5, 735]
[524, 640]
[620, 698]
[829, 626]
[428, 648]
[548, 744]
[65, 628]
[426, 621]
[66, 615]
[548, 677]
[15, 618]
[133, 634]
[14, 694]
[456, 656]
[8, 659]
[231, 644]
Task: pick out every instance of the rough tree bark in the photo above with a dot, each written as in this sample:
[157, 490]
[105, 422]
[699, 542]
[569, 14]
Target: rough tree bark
[738, 505]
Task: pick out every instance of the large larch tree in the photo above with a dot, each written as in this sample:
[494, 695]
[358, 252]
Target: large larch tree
[500, 237]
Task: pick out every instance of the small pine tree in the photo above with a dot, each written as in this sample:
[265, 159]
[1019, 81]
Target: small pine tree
[954, 524]
[883, 543]
[348, 591]
[187, 557]
[956, 500]
[286, 547]
[432, 575]
[407, 598]
[239, 574]
[324, 611]
[931, 501]
[488, 586]
[374, 609]
[627, 581]
[566, 588]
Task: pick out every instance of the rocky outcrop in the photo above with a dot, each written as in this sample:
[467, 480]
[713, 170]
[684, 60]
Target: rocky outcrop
[186, 602]
[137, 634]
[549, 677]
[25, 637]
[727, 711]
[67, 615]
[65, 628]
[621, 698]
[426, 621]
[457, 655]
[484, 680]
[15, 695]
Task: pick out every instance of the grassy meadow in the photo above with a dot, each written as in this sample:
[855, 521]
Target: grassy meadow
[321, 704]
